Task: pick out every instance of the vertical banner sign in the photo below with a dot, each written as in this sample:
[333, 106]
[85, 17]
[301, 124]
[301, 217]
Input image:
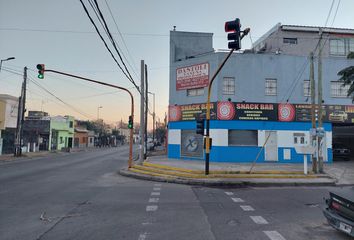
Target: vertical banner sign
[195, 76]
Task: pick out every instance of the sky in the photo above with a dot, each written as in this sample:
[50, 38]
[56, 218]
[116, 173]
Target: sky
[60, 35]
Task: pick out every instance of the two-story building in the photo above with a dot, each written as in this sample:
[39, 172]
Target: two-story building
[261, 99]
[8, 122]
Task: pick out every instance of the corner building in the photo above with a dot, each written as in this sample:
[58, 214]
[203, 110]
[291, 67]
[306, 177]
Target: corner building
[261, 104]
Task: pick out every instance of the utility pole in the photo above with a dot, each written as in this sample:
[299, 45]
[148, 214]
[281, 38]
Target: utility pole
[153, 117]
[142, 124]
[146, 109]
[313, 119]
[21, 116]
[319, 141]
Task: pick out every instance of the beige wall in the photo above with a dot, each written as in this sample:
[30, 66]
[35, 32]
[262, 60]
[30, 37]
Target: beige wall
[2, 114]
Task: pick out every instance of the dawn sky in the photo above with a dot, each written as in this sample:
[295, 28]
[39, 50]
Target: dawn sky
[60, 35]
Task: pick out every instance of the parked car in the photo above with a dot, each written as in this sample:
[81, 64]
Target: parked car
[340, 151]
[338, 116]
[339, 210]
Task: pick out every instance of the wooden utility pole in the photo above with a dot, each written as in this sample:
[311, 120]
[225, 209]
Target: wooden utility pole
[320, 112]
[313, 119]
[21, 116]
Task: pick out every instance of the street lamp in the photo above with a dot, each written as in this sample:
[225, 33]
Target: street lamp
[98, 112]
[153, 118]
[4, 60]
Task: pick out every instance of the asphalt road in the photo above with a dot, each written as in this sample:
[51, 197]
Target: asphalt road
[80, 196]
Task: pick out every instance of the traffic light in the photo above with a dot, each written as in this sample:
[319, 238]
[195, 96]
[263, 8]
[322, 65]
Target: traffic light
[200, 127]
[41, 69]
[234, 37]
[130, 122]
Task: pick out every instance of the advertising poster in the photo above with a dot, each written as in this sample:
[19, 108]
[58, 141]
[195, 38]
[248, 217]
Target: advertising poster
[256, 111]
[191, 112]
[195, 76]
[340, 113]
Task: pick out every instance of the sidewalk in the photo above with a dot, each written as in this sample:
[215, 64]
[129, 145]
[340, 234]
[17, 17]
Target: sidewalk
[160, 168]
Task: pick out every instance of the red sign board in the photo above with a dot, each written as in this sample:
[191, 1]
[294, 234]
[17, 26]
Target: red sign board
[195, 76]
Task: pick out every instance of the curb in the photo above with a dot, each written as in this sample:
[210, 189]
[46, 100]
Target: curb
[221, 182]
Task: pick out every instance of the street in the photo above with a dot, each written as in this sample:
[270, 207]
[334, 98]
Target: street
[80, 196]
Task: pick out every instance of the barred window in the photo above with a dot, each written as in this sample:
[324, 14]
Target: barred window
[337, 47]
[243, 138]
[228, 86]
[338, 90]
[270, 87]
[290, 40]
[195, 92]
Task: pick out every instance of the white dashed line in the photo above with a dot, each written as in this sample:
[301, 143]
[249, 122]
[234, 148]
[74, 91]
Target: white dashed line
[247, 208]
[238, 200]
[155, 194]
[142, 236]
[274, 235]
[157, 184]
[154, 200]
[229, 193]
[259, 220]
[156, 188]
[151, 208]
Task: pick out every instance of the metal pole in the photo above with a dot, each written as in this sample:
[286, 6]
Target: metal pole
[313, 119]
[320, 156]
[142, 124]
[130, 161]
[146, 109]
[207, 137]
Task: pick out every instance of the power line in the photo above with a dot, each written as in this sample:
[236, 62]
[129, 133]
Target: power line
[113, 41]
[125, 45]
[59, 99]
[98, 32]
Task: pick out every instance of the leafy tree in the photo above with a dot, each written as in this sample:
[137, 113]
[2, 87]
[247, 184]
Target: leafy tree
[347, 76]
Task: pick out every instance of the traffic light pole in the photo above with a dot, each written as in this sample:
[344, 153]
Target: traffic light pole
[130, 161]
[207, 135]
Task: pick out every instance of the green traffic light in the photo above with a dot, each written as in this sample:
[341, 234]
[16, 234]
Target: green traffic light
[130, 126]
[40, 76]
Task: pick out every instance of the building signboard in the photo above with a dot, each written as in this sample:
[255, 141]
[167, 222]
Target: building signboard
[195, 76]
[191, 112]
[282, 112]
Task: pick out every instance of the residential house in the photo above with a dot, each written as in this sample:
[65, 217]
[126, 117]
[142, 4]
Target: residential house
[8, 122]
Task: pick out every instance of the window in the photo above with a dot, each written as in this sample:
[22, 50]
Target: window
[71, 124]
[243, 138]
[336, 47]
[338, 90]
[61, 140]
[228, 87]
[195, 92]
[270, 87]
[307, 88]
[351, 45]
[299, 139]
[290, 40]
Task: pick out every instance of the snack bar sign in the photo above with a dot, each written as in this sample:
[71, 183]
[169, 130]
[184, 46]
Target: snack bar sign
[195, 76]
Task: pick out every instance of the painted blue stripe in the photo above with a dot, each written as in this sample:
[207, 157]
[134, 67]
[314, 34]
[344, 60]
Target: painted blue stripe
[244, 155]
[250, 125]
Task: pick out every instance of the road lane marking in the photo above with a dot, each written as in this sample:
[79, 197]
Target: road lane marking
[157, 184]
[142, 236]
[247, 208]
[154, 200]
[155, 194]
[156, 188]
[229, 193]
[274, 235]
[259, 220]
[238, 200]
[151, 208]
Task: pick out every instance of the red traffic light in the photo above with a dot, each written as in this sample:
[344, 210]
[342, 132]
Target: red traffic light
[233, 26]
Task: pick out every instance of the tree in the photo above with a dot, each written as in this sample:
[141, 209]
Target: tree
[347, 76]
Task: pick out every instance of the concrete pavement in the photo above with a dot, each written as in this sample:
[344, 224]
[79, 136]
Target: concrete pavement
[160, 168]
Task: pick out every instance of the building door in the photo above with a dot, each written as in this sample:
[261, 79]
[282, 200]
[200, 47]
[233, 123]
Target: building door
[271, 147]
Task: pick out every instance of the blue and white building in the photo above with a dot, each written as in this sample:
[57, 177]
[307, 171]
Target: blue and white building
[261, 99]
